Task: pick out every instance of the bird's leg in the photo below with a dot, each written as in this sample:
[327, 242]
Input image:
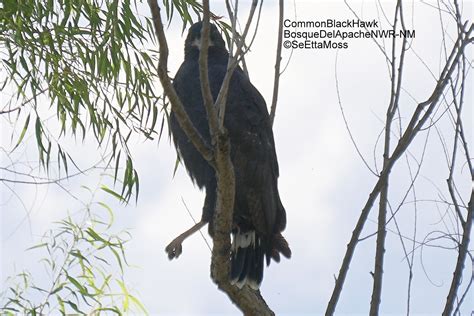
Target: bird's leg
[175, 248]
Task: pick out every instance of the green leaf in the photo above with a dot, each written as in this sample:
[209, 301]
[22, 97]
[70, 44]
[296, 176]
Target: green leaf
[38, 246]
[126, 295]
[113, 193]
[95, 236]
[78, 254]
[74, 306]
[78, 285]
[107, 309]
[39, 132]
[23, 132]
[139, 304]
[111, 213]
[58, 288]
[62, 308]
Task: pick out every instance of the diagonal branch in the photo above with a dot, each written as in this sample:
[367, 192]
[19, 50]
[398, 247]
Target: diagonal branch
[233, 62]
[462, 253]
[177, 105]
[467, 224]
[414, 126]
[276, 80]
[10, 110]
[458, 133]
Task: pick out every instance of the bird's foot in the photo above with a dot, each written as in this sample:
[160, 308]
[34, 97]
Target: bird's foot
[175, 248]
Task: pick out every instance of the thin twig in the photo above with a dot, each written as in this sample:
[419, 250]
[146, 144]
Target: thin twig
[232, 64]
[346, 123]
[462, 252]
[468, 287]
[450, 180]
[10, 110]
[194, 221]
[276, 79]
[396, 81]
[467, 225]
[208, 100]
[416, 122]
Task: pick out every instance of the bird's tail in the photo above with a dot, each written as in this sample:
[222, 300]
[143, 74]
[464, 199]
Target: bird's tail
[247, 257]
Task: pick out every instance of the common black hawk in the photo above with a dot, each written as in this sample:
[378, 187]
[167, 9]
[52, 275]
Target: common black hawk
[259, 216]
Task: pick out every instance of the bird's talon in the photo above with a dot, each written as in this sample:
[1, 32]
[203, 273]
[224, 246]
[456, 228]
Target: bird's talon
[174, 250]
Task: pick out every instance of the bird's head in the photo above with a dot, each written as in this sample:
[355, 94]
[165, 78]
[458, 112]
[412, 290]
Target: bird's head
[192, 44]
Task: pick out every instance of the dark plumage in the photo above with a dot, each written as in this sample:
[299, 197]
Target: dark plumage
[259, 216]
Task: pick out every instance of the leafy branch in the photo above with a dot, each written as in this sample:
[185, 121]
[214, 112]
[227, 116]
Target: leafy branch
[88, 60]
[85, 263]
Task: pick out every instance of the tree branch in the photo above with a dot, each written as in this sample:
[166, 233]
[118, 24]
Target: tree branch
[462, 252]
[247, 300]
[233, 62]
[207, 98]
[250, 302]
[458, 133]
[404, 142]
[10, 110]
[467, 224]
[176, 104]
[276, 80]
[396, 80]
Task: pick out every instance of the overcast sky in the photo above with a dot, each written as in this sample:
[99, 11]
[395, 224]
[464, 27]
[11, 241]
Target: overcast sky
[323, 182]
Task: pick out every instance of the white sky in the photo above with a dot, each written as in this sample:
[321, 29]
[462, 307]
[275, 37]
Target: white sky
[323, 183]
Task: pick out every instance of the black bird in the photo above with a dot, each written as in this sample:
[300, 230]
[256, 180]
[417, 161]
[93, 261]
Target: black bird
[259, 216]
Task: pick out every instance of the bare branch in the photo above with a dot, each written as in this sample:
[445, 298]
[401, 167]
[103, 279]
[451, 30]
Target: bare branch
[414, 126]
[232, 64]
[468, 287]
[396, 79]
[346, 123]
[177, 106]
[462, 252]
[467, 224]
[455, 147]
[208, 100]
[195, 222]
[276, 80]
[10, 110]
